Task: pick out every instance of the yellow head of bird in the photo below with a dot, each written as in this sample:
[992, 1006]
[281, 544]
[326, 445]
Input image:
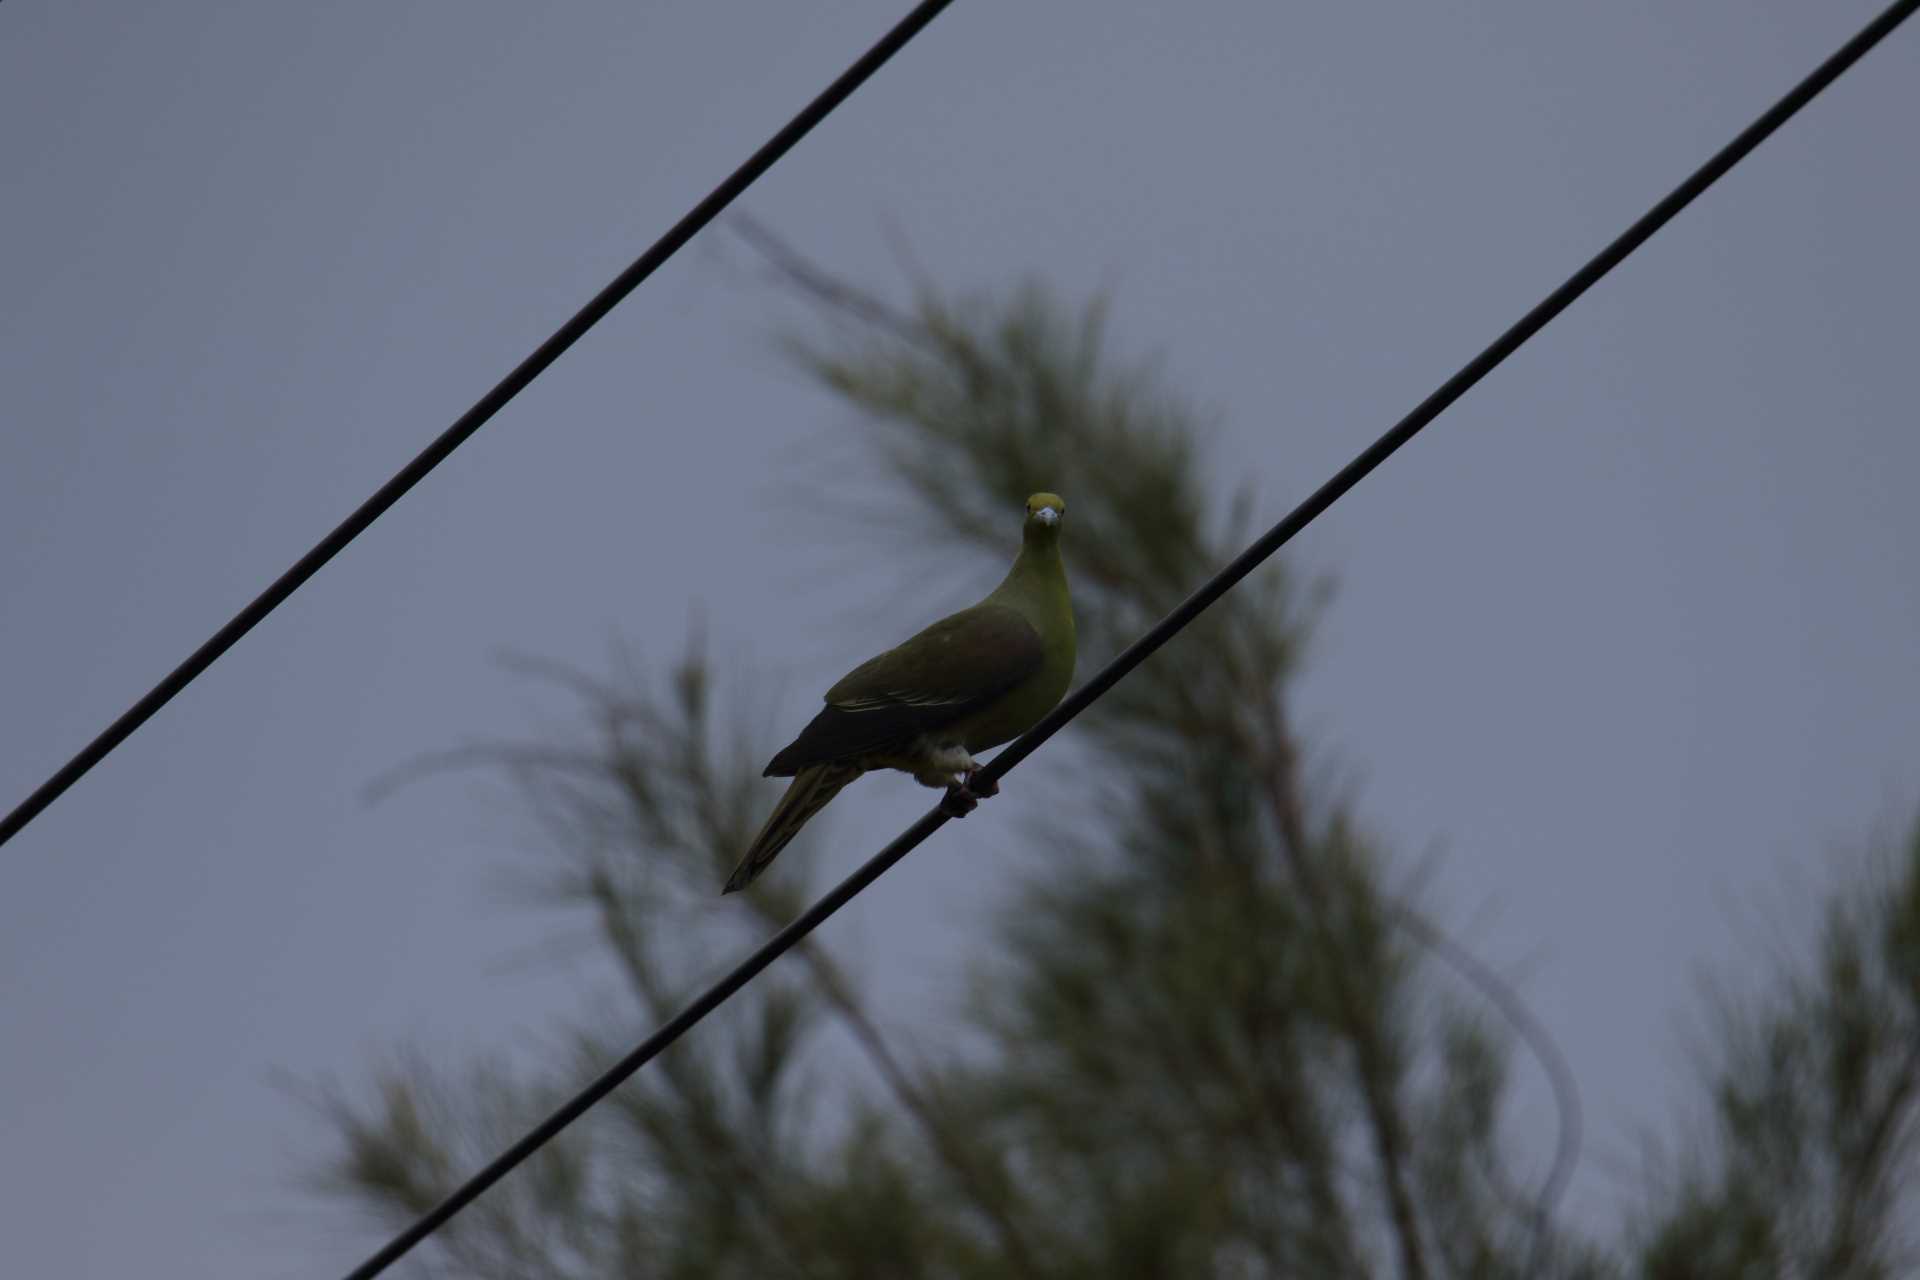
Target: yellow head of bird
[1044, 511]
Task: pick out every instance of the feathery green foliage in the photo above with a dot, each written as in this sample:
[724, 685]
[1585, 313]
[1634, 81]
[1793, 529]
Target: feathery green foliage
[1201, 1042]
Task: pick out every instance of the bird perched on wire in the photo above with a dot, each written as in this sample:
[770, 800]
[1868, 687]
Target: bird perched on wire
[974, 680]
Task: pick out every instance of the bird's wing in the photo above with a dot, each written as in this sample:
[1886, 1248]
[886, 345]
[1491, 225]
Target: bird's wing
[952, 669]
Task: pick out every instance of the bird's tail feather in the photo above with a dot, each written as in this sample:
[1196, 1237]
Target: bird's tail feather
[809, 791]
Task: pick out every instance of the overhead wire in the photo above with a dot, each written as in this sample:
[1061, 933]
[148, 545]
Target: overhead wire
[1083, 697]
[473, 419]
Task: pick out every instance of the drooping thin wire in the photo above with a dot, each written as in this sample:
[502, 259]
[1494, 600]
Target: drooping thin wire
[1134, 654]
[1540, 1043]
[473, 419]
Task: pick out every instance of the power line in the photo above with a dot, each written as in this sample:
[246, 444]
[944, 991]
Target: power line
[473, 419]
[1375, 454]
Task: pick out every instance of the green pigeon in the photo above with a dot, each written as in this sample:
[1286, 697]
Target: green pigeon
[974, 680]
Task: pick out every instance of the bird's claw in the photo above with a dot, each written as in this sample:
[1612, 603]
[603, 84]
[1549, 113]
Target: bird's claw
[963, 795]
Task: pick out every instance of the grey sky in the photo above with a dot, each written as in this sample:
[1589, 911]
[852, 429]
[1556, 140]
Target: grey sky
[1631, 632]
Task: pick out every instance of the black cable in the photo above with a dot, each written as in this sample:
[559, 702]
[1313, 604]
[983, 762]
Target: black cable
[1404, 430]
[473, 419]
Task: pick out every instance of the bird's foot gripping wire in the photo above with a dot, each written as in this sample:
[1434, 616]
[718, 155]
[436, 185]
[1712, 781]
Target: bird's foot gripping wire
[963, 795]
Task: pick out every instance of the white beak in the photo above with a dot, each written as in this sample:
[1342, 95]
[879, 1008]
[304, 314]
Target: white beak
[1047, 515]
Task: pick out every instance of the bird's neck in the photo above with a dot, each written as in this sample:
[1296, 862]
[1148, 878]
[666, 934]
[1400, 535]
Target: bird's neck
[1037, 572]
